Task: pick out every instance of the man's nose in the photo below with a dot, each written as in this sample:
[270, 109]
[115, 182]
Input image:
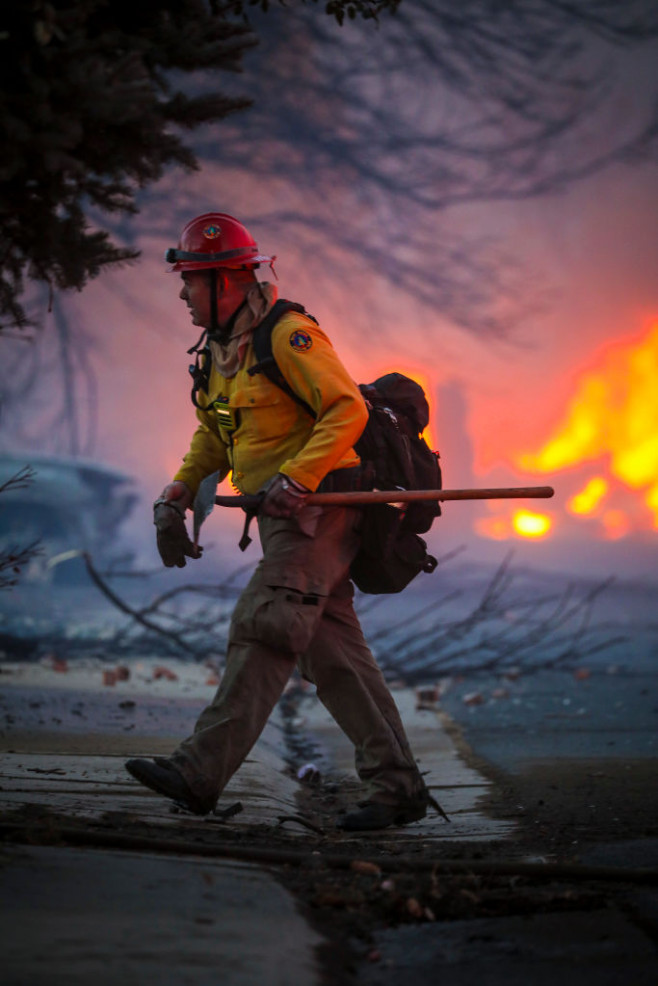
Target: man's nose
[183, 293]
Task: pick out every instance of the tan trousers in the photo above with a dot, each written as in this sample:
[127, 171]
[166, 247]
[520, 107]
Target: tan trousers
[297, 610]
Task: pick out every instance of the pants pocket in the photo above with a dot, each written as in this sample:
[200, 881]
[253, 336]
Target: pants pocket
[279, 617]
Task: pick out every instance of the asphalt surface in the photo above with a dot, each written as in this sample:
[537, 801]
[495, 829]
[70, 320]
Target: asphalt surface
[550, 715]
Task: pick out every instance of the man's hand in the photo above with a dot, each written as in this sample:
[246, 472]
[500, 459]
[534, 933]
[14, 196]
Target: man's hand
[173, 542]
[178, 494]
[284, 497]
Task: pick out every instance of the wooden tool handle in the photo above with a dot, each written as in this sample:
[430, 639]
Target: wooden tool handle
[360, 497]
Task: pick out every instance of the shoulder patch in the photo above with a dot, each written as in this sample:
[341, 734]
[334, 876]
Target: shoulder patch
[300, 341]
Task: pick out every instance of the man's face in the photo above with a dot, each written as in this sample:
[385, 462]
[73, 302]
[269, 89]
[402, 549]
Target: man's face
[196, 295]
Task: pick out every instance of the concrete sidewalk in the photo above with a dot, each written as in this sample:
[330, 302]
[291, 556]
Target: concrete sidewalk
[66, 737]
[73, 917]
[79, 916]
[459, 789]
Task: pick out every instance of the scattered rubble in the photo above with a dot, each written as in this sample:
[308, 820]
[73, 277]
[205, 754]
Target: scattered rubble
[163, 672]
[309, 774]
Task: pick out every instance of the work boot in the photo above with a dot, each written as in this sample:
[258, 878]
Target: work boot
[161, 776]
[373, 815]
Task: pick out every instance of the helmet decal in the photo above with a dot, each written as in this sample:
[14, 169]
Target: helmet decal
[212, 231]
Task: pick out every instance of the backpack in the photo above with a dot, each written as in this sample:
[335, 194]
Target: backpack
[391, 447]
[393, 455]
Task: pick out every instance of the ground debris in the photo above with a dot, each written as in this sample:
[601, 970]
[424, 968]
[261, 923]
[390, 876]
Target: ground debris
[46, 770]
[352, 900]
[300, 820]
[225, 813]
[364, 866]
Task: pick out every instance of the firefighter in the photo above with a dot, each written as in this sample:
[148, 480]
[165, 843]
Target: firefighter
[297, 609]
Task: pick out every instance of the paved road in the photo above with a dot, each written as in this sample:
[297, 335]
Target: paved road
[558, 715]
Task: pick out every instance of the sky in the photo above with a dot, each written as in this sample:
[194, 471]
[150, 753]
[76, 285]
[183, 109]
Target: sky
[583, 361]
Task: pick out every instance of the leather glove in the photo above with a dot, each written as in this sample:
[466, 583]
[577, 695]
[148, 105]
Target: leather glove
[180, 492]
[284, 497]
[173, 542]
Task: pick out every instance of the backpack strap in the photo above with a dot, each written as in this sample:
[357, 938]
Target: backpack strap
[262, 343]
[200, 369]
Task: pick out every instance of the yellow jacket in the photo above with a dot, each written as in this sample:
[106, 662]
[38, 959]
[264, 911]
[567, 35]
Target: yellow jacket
[271, 433]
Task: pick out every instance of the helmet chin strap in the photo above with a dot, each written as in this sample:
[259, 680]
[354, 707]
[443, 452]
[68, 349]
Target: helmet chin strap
[200, 369]
[214, 326]
[215, 332]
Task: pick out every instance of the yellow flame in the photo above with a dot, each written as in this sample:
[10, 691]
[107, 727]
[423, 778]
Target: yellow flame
[614, 413]
[652, 498]
[522, 523]
[589, 498]
[531, 525]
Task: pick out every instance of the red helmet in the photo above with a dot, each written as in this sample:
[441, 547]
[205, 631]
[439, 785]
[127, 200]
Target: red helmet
[215, 240]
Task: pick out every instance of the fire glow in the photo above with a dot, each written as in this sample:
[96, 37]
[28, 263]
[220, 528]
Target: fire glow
[531, 525]
[609, 428]
[589, 498]
[612, 420]
[522, 523]
[424, 381]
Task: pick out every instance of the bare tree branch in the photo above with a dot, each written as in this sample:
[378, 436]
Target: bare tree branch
[13, 558]
[376, 139]
[498, 633]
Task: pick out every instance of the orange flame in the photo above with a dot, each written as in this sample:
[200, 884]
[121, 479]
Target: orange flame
[615, 524]
[614, 416]
[496, 528]
[522, 523]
